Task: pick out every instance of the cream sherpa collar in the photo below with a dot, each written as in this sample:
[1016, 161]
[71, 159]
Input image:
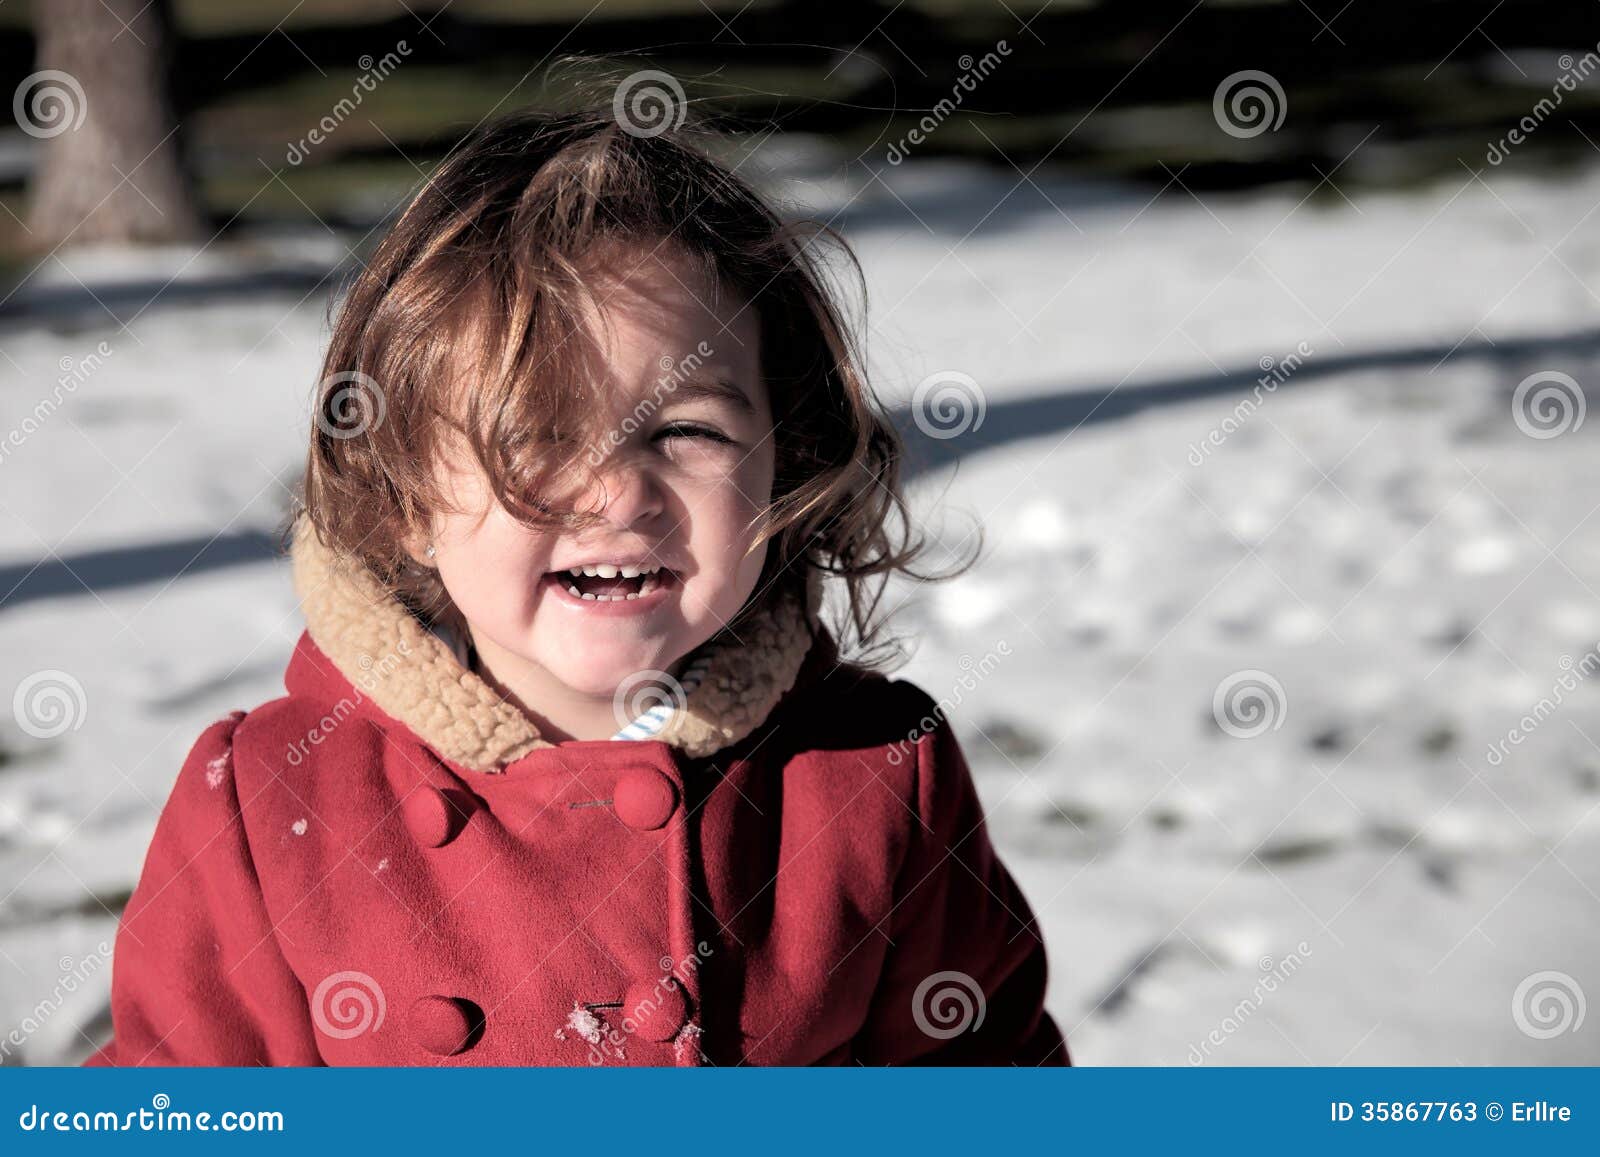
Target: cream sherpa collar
[411, 674]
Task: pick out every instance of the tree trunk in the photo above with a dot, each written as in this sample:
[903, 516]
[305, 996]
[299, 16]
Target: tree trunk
[110, 168]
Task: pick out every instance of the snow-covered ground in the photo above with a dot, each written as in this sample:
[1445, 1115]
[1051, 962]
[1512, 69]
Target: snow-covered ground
[1374, 551]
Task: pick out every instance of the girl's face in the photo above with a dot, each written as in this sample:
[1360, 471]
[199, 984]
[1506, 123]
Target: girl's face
[686, 470]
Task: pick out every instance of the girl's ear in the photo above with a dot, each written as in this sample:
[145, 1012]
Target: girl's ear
[419, 546]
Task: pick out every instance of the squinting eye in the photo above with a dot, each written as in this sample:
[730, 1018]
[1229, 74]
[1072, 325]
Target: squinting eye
[690, 430]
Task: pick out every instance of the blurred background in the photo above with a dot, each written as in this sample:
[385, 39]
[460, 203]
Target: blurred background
[1254, 336]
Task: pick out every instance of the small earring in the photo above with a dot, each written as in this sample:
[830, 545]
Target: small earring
[430, 551]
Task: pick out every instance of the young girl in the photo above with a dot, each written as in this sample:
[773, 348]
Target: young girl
[569, 770]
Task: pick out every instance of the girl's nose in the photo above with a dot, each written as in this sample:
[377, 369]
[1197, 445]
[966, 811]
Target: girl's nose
[629, 497]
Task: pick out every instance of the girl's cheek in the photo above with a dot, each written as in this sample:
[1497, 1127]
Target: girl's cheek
[713, 474]
[707, 460]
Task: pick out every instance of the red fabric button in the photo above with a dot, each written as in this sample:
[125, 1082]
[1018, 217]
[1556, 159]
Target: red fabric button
[644, 799]
[656, 1010]
[430, 817]
[444, 1025]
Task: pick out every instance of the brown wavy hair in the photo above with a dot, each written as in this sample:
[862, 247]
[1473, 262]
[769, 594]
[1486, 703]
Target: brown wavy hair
[489, 277]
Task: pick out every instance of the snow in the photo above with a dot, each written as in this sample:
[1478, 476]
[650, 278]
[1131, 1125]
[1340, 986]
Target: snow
[686, 1045]
[585, 1023]
[1378, 534]
[217, 771]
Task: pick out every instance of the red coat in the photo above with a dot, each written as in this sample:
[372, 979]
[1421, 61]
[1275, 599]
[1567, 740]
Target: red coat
[819, 891]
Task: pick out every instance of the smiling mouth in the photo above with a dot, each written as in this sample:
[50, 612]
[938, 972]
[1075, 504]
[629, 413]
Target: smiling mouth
[608, 583]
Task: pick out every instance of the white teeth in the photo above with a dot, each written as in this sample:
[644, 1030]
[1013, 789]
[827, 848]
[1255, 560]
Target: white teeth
[592, 598]
[613, 570]
[648, 575]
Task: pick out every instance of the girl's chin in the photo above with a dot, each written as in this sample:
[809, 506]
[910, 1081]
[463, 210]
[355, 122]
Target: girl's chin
[624, 682]
[606, 661]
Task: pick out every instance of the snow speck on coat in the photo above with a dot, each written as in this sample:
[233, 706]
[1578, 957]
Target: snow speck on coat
[585, 1023]
[687, 1043]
